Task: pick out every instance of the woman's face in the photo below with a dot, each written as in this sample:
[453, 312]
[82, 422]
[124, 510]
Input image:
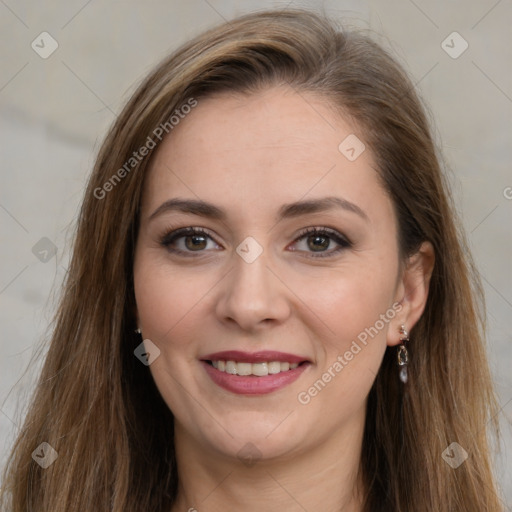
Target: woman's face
[255, 284]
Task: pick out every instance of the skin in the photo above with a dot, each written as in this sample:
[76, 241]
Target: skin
[249, 155]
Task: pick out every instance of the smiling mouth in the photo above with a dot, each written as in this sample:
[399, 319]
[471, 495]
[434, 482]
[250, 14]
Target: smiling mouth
[260, 369]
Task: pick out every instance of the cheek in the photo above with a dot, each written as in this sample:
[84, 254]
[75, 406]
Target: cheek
[166, 301]
[350, 358]
[356, 303]
[165, 297]
[353, 298]
[364, 299]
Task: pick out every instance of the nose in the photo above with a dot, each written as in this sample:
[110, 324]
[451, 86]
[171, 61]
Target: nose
[252, 295]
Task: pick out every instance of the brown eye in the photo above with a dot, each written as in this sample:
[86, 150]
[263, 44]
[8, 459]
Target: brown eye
[195, 240]
[319, 239]
[318, 242]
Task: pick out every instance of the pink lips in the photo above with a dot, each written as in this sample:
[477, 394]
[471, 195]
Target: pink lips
[251, 384]
[253, 357]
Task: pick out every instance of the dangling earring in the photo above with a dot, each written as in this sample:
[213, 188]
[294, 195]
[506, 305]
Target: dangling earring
[138, 331]
[403, 355]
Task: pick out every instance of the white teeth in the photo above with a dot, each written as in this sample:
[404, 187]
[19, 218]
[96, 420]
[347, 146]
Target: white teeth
[244, 368]
[274, 367]
[231, 367]
[258, 369]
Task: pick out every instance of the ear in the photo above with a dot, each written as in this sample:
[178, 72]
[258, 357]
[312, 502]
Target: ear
[412, 291]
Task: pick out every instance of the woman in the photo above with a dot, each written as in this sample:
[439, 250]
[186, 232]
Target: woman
[269, 304]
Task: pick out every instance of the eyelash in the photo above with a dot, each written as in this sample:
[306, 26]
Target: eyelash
[171, 236]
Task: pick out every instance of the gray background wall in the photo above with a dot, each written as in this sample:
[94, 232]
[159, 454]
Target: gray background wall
[55, 110]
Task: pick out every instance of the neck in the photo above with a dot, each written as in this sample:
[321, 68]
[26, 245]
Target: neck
[323, 477]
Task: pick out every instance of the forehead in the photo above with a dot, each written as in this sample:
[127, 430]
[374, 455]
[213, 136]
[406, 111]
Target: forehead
[250, 153]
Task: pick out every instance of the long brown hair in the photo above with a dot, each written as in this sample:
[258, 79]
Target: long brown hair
[99, 408]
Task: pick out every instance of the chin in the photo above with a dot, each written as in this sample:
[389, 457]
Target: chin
[256, 435]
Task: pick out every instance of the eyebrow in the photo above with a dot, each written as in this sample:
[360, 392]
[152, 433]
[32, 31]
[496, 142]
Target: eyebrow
[286, 211]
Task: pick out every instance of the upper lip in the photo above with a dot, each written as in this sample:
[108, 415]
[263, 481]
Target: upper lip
[254, 357]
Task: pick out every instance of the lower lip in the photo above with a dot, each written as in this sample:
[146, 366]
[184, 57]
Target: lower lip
[251, 384]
